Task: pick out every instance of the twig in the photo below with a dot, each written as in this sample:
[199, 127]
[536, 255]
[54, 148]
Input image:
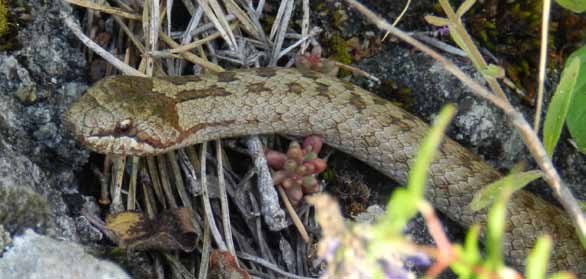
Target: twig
[296, 221]
[131, 199]
[270, 209]
[116, 184]
[563, 194]
[542, 62]
[271, 266]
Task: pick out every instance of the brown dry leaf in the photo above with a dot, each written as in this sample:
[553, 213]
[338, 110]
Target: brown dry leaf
[170, 230]
[223, 266]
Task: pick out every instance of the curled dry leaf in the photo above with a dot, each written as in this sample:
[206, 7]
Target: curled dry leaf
[170, 230]
[223, 265]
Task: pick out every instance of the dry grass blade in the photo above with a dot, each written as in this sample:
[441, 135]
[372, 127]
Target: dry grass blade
[104, 9]
[121, 66]
[280, 29]
[190, 56]
[224, 199]
[205, 198]
[216, 15]
[244, 19]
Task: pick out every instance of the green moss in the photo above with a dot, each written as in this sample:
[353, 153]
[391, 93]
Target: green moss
[21, 208]
[3, 18]
[340, 51]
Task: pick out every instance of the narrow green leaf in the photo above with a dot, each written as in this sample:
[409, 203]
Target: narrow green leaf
[562, 275]
[577, 112]
[576, 6]
[559, 106]
[494, 71]
[401, 208]
[465, 7]
[471, 252]
[497, 215]
[487, 195]
[538, 258]
[429, 146]
[403, 203]
[436, 21]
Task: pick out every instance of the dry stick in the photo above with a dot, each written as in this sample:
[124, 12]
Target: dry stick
[167, 190]
[305, 25]
[563, 194]
[271, 266]
[131, 199]
[74, 27]
[104, 9]
[283, 23]
[190, 56]
[205, 252]
[476, 57]
[197, 43]
[179, 184]
[542, 62]
[205, 198]
[296, 221]
[224, 200]
[116, 186]
[272, 212]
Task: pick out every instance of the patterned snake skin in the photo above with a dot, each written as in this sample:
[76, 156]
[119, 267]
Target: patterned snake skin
[145, 116]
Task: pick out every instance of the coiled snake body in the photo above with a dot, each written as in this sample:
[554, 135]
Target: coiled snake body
[146, 116]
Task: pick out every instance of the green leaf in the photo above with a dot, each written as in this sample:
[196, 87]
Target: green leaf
[436, 21]
[577, 112]
[494, 71]
[471, 252]
[486, 195]
[538, 258]
[403, 203]
[562, 275]
[495, 229]
[576, 6]
[429, 146]
[559, 106]
[401, 208]
[465, 7]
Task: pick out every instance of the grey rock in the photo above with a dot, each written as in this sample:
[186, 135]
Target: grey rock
[41, 257]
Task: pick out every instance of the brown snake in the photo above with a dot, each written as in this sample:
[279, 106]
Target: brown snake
[146, 116]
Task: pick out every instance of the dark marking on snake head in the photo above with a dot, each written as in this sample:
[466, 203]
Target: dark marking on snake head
[211, 91]
[181, 80]
[295, 87]
[134, 96]
[266, 72]
[227, 77]
[257, 87]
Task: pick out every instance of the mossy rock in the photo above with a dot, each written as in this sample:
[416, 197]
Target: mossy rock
[22, 208]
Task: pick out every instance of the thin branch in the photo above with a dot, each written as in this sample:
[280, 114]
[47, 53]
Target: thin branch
[542, 62]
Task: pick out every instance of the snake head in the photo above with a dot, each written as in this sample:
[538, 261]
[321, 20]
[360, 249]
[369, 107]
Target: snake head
[121, 115]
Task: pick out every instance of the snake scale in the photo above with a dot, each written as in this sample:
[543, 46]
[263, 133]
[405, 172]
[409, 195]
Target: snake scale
[146, 116]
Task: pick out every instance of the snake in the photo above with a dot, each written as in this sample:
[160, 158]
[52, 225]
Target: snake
[146, 116]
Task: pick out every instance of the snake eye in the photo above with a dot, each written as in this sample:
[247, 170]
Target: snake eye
[125, 127]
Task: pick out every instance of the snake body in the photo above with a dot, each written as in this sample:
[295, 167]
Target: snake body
[147, 116]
